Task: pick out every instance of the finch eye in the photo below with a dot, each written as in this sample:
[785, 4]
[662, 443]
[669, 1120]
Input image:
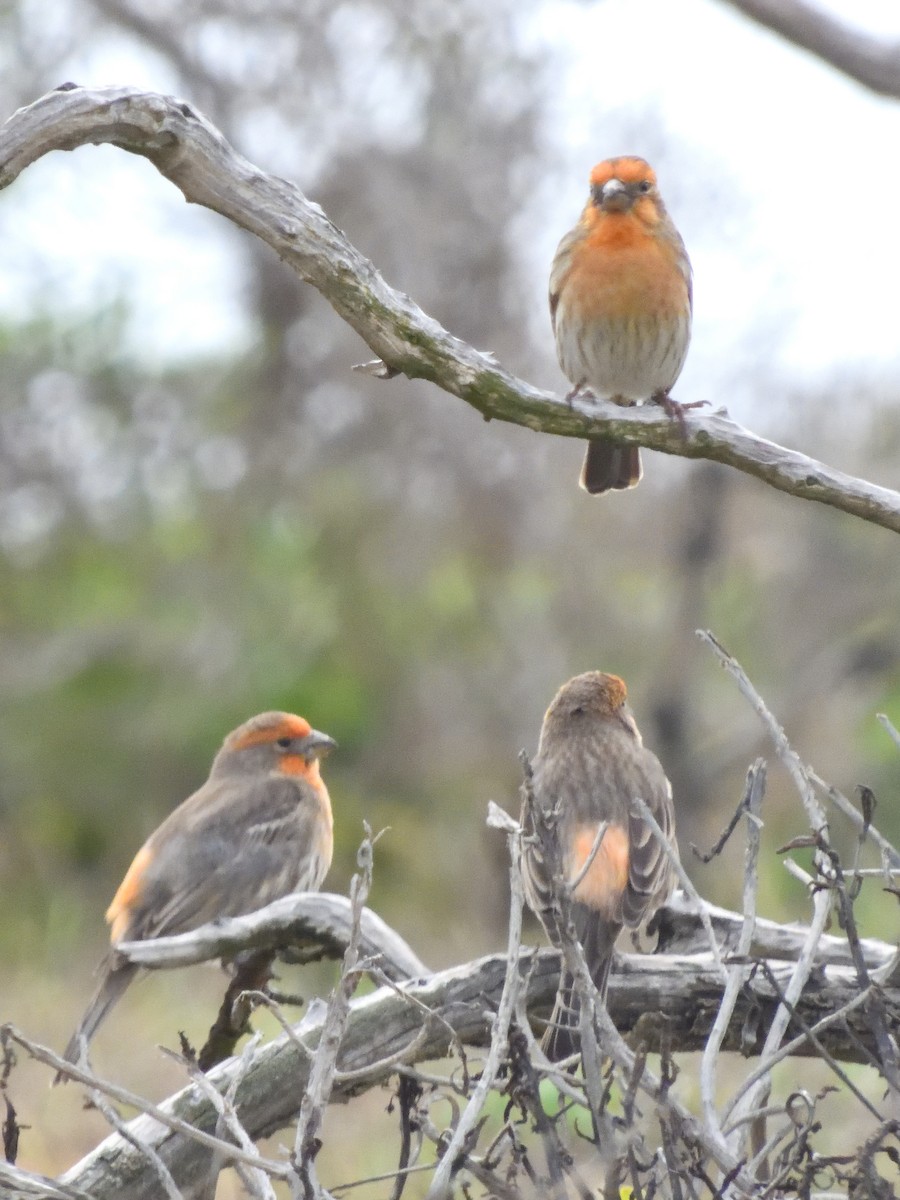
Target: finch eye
[645, 185]
[284, 743]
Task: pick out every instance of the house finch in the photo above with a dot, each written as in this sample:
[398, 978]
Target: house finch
[590, 765]
[259, 828]
[620, 302]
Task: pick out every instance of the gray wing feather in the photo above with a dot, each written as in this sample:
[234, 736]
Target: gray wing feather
[198, 878]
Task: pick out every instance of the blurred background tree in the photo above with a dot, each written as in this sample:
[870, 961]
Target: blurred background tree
[203, 513]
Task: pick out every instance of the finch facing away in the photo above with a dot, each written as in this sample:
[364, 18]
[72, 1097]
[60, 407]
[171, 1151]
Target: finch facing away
[590, 765]
[259, 828]
[621, 303]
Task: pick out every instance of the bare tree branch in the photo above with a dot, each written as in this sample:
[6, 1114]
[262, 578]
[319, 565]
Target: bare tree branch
[740, 971]
[317, 1093]
[441, 1183]
[789, 757]
[650, 996]
[317, 923]
[255, 1180]
[892, 732]
[868, 60]
[680, 932]
[193, 154]
[849, 810]
[16, 1184]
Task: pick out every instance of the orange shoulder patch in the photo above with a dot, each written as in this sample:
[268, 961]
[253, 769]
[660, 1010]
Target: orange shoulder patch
[607, 877]
[118, 915]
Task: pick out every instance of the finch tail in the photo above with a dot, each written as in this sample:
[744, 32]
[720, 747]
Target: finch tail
[608, 467]
[561, 1036]
[110, 990]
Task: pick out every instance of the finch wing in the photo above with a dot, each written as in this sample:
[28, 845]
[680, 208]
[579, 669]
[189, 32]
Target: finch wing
[534, 873]
[650, 873]
[231, 857]
[562, 261]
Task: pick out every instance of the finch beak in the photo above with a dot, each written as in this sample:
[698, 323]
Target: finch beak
[614, 196]
[316, 745]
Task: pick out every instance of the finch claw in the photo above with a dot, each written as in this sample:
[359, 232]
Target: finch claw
[675, 409]
[578, 390]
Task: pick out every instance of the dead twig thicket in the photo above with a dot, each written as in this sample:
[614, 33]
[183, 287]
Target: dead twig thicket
[482, 1112]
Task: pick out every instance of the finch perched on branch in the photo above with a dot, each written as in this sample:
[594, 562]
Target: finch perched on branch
[590, 766]
[621, 302]
[259, 828]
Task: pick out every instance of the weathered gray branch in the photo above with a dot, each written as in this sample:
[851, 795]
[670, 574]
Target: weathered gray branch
[317, 923]
[650, 998]
[680, 932]
[189, 151]
[16, 1184]
[320, 923]
[869, 60]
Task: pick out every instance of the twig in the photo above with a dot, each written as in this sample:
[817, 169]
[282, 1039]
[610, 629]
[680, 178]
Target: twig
[887, 1047]
[573, 884]
[811, 1034]
[497, 1188]
[706, 856]
[848, 809]
[892, 731]
[255, 1181]
[383, 1177]
[124, 1096]
[822, 900]
[524, 1087]
[29, 1185]
[162, 1172]
[290, 1030]
[643, 809]
[540, 1064]
[321, 1077]
[430, 1016]
[751, 803]
[443, 1175]
[693, 1134]
[384, 1066]
[770, 940]
[795, 768]
[755, 1096]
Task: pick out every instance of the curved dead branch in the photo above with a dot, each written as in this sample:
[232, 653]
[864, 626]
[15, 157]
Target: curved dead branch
[873, 62]
[307, 925]
[653, 1000]
[188, 150]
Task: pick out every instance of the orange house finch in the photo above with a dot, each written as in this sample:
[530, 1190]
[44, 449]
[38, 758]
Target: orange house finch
[620, 302]
[259, 828]
[590, 765]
